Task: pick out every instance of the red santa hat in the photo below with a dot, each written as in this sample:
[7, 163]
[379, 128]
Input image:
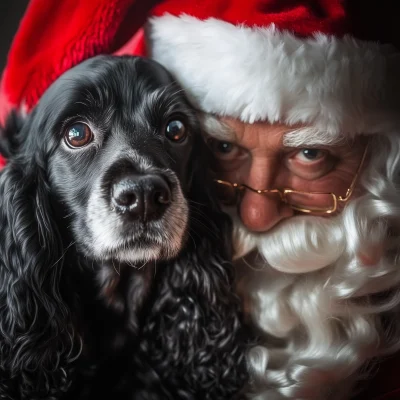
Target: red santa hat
[331, 64]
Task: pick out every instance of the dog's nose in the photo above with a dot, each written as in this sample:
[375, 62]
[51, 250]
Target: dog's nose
[143, 197]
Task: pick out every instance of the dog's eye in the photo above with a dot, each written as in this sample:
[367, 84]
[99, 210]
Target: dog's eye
[175, 131]
[78, 135]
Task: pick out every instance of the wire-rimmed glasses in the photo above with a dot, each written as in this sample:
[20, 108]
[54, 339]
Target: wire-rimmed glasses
[305, 202]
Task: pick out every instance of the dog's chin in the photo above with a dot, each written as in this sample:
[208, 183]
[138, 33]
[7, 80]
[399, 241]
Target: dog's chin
[137, 254]
[141, 250]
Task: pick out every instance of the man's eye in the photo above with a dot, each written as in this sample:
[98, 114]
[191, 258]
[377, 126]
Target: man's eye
[310, 155]
[310, 163]
[224, 150]
[78, 135]
[224, 147]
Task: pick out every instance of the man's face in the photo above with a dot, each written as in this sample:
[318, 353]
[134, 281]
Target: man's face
[265, 156]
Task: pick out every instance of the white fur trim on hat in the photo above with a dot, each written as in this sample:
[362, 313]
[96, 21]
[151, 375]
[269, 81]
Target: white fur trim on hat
[335, 84]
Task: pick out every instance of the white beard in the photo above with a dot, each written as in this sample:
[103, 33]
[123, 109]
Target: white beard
[303, 283]
[299, 245]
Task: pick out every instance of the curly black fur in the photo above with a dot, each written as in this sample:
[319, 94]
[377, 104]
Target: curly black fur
[191, 342]
[79, 321]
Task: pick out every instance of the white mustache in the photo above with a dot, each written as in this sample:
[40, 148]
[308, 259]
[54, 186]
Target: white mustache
[299, 245]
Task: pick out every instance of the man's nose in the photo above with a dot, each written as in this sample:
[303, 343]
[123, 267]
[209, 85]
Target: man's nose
[261, 212]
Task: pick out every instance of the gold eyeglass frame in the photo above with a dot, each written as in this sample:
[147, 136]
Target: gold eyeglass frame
[282, 193]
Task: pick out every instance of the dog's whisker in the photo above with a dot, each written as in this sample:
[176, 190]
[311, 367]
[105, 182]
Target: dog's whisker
[195, 234]
[196, 203]
[198, 213]
[204, 226]
[143, 265]
[69, 215]
[194, 242]
[115, 269]
[63, 254]
[166, 152]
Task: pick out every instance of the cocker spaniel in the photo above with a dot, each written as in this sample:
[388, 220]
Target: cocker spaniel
[114, 257]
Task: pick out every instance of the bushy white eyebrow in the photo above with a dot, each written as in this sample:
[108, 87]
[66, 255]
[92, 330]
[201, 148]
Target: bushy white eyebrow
[310, 136]
[298, 137]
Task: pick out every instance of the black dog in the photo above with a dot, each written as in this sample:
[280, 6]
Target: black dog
[114, 267]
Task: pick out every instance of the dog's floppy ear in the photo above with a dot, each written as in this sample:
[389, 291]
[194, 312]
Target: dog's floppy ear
[9, 134]
[36, 339]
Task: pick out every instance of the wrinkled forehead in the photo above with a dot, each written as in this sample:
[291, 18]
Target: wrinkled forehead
[230, 130]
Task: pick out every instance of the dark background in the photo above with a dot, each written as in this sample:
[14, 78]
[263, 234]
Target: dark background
[11, 12]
